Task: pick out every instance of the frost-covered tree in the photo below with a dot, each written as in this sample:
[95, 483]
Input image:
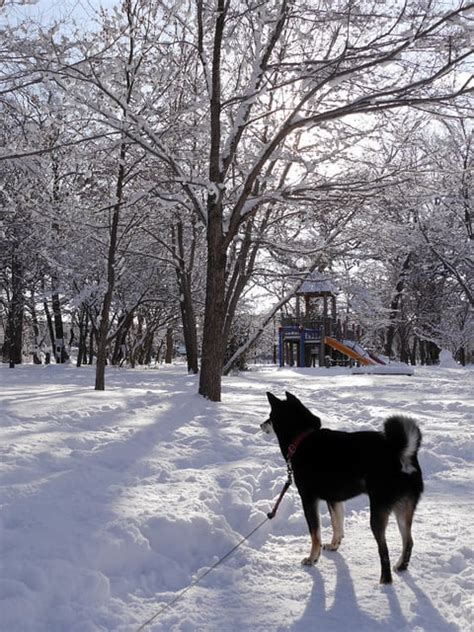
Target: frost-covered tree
[413, 290]
[236, 102]
[295, 73]
[28, 197]
[445, 220]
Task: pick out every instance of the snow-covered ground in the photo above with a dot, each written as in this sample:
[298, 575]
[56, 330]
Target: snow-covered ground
[113, 502]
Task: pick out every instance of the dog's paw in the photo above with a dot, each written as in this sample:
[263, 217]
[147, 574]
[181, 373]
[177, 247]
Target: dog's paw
[334, 544]
[330, 546]
[307, 561]
[386, 580]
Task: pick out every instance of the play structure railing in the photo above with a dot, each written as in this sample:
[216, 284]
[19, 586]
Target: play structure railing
[323, 324]
[330, 327]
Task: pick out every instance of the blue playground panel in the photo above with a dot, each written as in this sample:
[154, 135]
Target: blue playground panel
[293, 332]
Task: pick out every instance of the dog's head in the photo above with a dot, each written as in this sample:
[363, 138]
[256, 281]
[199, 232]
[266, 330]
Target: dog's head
[289, 417]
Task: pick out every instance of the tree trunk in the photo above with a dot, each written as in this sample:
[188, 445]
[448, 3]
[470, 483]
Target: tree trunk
[184, 267]
[136, 351]
[413, 351]
[92, 337]
[60, 353]
[404, 346]
[213, 343]
[103, 330]
[125, 323]
[81, 321]
[104, 323]
[394, 307]
[12, 348]
[433, 351]
[36, 331]
[47, 313]
[188, 319]
[422, 350]
[158, 352]
[169, 346]
[59, 347]
[148, 348]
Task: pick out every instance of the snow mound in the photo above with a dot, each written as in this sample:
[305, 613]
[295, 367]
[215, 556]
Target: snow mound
[446, 360]
[394, 368]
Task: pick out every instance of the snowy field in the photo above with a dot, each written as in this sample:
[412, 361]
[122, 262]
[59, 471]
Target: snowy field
[113, 502]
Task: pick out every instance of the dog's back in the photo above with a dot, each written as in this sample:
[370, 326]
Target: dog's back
[334, 465]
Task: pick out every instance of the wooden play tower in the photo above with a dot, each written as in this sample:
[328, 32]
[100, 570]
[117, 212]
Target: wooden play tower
[315, 335]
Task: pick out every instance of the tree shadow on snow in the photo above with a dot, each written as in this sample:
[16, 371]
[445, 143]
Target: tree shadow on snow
[333, 613]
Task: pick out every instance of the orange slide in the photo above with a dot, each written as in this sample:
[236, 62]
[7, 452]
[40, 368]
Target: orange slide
[365, 360]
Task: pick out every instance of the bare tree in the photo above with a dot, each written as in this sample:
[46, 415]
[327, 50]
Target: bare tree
[243, 97]
[324, 76]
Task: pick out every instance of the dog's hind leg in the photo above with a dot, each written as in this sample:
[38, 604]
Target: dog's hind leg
[311, 512]
[378, 523]
[336, 511]
[404, 511]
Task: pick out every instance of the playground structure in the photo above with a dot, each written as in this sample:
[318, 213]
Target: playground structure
[315, 335]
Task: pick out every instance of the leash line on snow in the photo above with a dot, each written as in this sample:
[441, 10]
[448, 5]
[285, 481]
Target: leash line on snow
[196, 581]
[201, 577]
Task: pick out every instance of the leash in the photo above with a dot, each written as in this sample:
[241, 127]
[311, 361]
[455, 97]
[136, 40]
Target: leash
[286, 487]
[292, 448]
[269, 516]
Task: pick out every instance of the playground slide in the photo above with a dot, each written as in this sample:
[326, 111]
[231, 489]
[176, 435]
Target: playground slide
[376, 358]
[355, 351]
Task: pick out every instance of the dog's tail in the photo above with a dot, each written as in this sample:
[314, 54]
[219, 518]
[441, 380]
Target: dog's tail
[404, 436]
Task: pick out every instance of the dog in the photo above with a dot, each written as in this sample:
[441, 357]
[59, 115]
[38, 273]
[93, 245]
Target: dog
[335, 466]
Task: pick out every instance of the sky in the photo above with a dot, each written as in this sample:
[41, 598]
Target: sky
[46, 11]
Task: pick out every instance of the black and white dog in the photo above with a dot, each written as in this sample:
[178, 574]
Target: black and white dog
[335, 466]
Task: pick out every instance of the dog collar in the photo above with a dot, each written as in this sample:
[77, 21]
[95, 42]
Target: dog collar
[294, 445]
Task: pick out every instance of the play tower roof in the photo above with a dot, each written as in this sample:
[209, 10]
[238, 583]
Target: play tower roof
[317, 284]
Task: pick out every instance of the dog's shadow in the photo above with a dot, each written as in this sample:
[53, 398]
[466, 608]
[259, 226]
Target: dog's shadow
[343, 609]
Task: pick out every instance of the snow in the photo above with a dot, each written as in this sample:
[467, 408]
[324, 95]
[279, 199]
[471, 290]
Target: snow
[394, 368]
[114, 502]
[446, 360]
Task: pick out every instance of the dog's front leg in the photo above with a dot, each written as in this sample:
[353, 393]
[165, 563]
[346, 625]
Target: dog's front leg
[336, 511]
[311, 512]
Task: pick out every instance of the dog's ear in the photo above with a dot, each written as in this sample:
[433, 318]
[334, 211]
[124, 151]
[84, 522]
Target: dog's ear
[301, 408]
[292, 399]
[274, 401]
[317, 421]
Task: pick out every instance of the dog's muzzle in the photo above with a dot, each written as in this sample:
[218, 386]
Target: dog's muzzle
[267, 426]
